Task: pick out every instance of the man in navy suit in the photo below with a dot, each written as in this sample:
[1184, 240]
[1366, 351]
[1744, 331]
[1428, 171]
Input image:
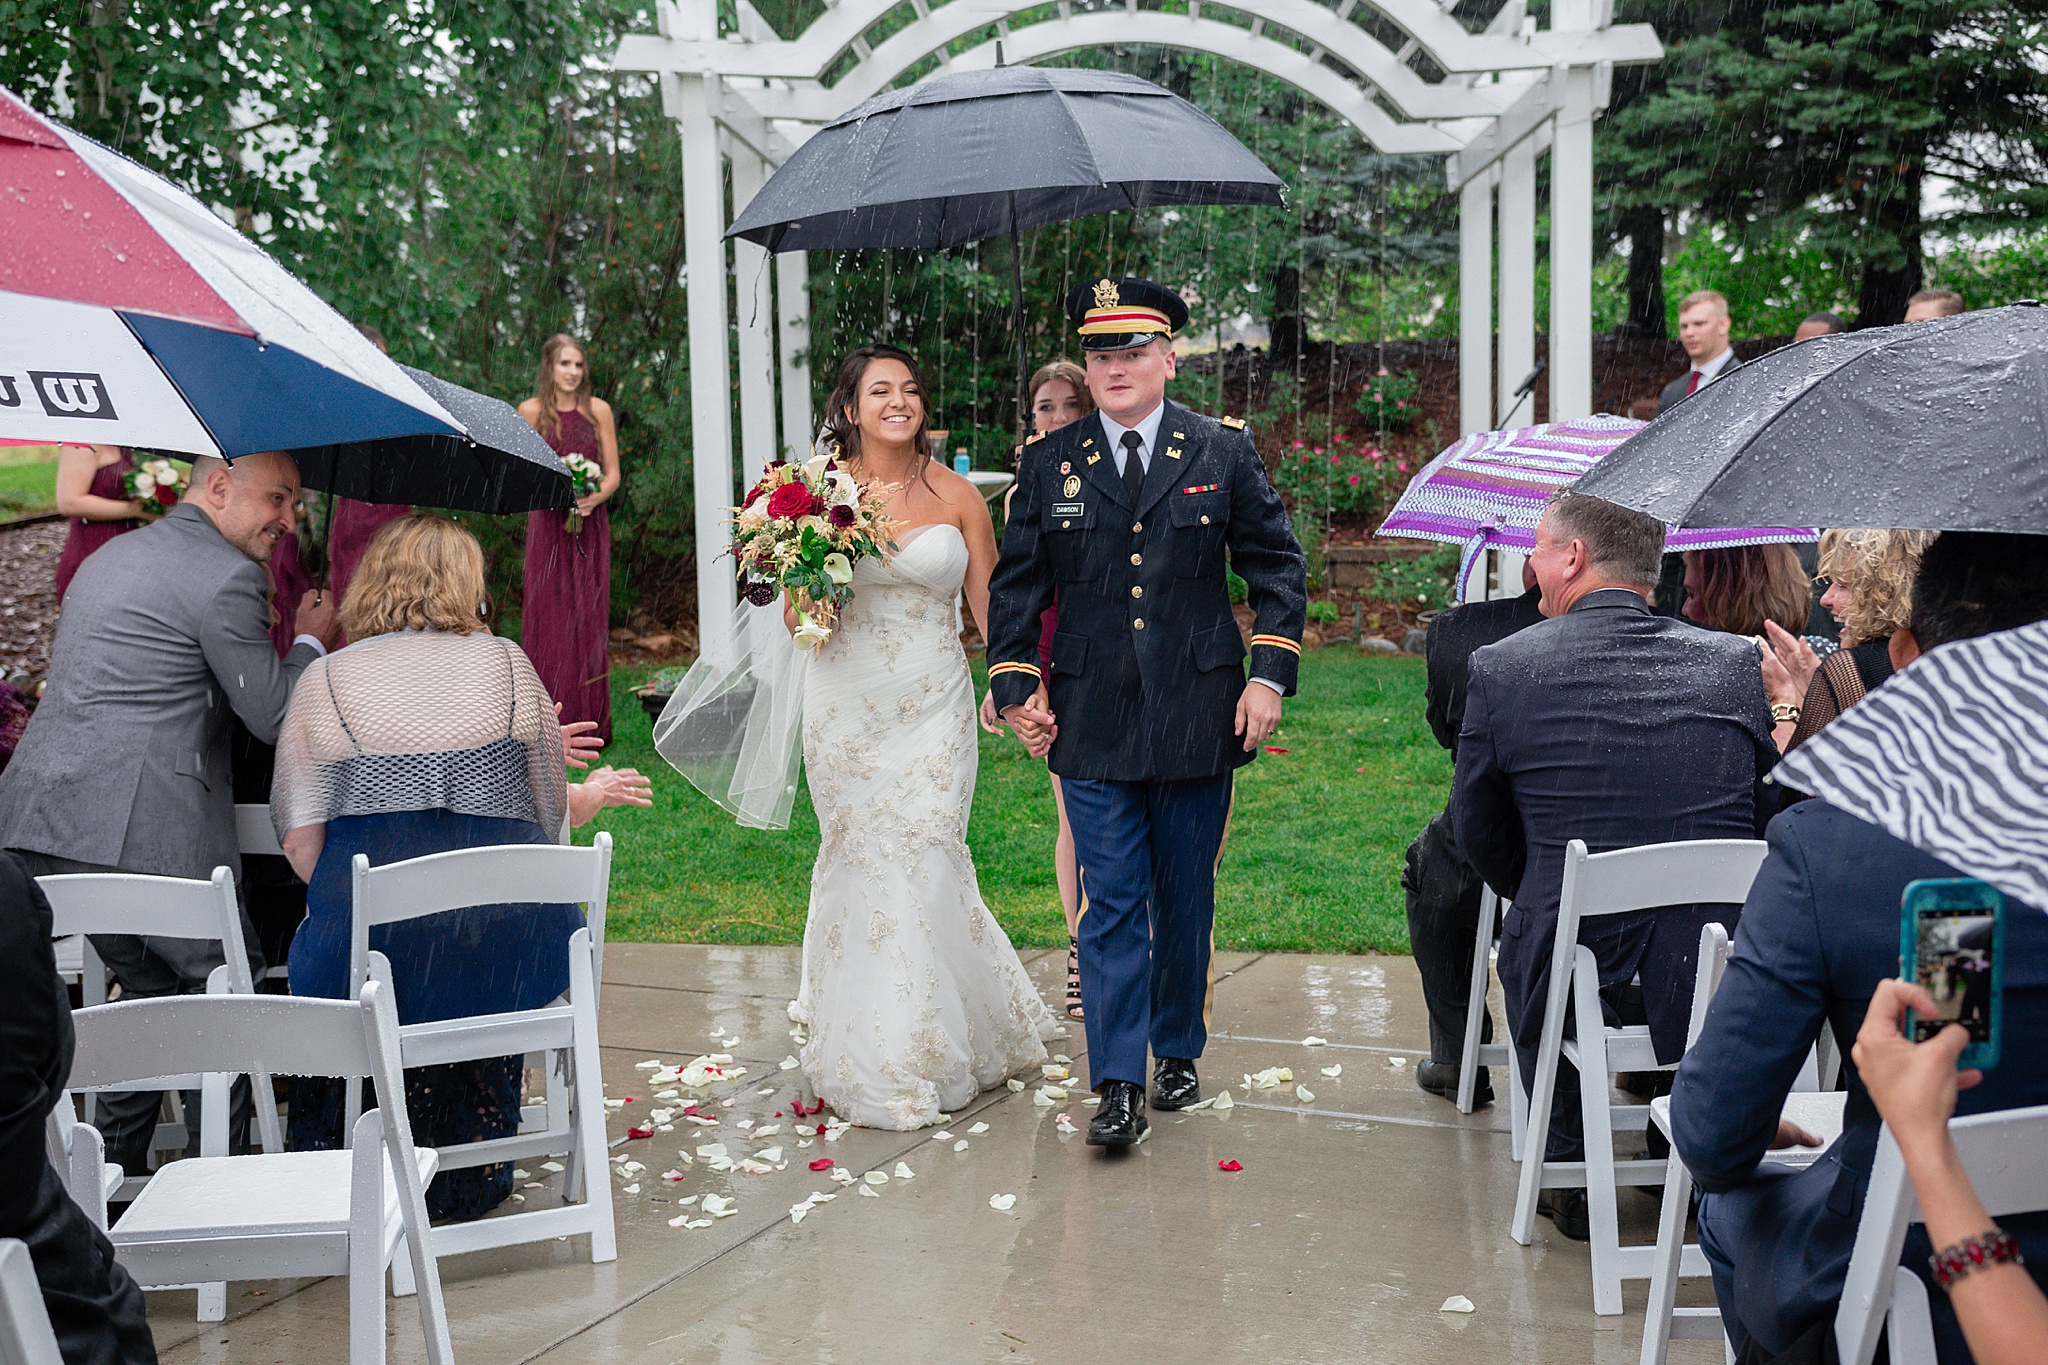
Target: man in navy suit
[1131, 513]
[1819, 931]
[1610, 724]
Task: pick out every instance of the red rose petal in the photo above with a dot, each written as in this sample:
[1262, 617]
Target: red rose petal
[630, 1100]
[639, 1132]
[821, 1128]
[823, 1163]
[689, 1109]
[1271, 750]
[1229, 1165]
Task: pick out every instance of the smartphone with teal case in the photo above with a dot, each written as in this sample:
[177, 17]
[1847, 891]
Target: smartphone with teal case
[1952, 942]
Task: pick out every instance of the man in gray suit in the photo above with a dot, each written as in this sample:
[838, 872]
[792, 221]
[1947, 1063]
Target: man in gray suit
[125, 764]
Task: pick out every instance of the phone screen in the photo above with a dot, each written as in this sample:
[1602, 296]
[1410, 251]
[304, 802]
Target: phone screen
[1954, 954]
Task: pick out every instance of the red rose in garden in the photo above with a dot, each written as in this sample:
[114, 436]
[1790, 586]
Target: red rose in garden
[790, 500]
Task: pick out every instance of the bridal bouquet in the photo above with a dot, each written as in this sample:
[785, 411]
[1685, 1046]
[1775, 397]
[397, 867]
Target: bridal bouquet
[801, 530]
[157, 483]
[587, 475]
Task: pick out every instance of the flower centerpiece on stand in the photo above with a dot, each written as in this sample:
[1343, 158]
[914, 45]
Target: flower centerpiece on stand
[800, 531]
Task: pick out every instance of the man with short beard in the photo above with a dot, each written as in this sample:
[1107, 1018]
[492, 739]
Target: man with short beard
[125, 765]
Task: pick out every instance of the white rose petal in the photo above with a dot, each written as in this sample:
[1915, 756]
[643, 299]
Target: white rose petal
[1002, 1203]
[876, 1177]
[551, 1166]
[1223, 1101]
[869, 1192]
[790, 1064]
[1203, 1104]
[718, 1206]
[1016, 1086]
[1054, 1072]
[518, 1174]
[633, 1188]
[961, 1145]
[1458, 1303]
[942, 1136]
[977, 1130]
[1304, 1094]
[1063, 1059]
[1333, 1072]
[903, 1172]
[1397, 1062]
[651, 1064]
[1043, 1098]
[798, 1212]
[711, 1151]
[769, 1154]
[1313, 1041]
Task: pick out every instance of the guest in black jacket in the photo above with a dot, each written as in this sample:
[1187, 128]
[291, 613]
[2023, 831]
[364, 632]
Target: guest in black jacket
[1819, 931]
[1613, 725]
[1441, 887]
[94, 1306]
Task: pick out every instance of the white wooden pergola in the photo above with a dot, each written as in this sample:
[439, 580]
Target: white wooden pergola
[1507, 95]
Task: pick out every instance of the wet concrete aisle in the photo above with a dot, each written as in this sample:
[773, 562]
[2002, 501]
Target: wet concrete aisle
[1356, 1213]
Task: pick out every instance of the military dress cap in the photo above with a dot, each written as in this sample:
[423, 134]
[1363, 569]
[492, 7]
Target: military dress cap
[1118, 314]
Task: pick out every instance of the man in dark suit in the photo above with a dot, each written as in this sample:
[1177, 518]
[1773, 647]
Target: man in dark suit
[1441, 887]
[1130, 513]
[1703, 325]
[1613, 725]
[1819, 931]
[95, 1309]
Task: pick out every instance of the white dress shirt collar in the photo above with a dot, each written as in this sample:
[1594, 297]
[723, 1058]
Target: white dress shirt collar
[1148, 435]
[1711, 370]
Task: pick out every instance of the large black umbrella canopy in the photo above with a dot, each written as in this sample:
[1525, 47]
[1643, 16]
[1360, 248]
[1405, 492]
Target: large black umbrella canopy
[960, 157]
[1936, 426]
[502, 466]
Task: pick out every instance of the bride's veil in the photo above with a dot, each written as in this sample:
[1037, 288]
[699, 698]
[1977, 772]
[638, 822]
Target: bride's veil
[734, 725]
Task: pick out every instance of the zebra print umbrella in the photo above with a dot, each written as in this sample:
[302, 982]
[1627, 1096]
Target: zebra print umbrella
[1950, 756]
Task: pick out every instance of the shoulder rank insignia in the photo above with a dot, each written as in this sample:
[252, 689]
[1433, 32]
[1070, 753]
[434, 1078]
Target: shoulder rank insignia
[1034, 438]
[1234, 423]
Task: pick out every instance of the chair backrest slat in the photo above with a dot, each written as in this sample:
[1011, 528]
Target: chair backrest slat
[1696, 871]
[2003, 1152]
[167, 907]
[25, 1334]
[174, 1035]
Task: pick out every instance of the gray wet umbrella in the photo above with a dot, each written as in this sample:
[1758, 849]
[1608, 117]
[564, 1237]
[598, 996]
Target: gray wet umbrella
[1938, 426]
[957, 158]
[503, 466]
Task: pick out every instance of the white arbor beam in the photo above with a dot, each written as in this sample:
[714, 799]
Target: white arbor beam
[1517, 282]
[1475, 307]
[755, 319]
[793, 308]
[1531, 109]
[1571, 251]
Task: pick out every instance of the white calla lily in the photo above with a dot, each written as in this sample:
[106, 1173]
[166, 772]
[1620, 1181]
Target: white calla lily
[809, 634]
[838, 568]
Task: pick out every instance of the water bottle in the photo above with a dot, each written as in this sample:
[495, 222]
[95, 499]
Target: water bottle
[962, 462]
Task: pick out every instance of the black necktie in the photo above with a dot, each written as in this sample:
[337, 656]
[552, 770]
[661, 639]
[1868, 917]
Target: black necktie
[1134, 469]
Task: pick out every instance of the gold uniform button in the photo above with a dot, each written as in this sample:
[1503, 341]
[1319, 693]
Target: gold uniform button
[1137, 560]
[1137, 592]
[1066, 526]
[1137, 526]
[1138, 624]
[1205, 521]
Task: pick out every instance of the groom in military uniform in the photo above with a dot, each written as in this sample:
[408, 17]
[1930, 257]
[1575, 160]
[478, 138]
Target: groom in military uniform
[1130, 514]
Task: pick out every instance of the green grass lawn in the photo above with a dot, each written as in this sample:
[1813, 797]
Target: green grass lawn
[28, 480]
[1313, 863]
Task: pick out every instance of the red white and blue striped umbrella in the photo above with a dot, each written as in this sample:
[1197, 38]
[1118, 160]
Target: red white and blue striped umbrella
[130, 314]
[1489, 490]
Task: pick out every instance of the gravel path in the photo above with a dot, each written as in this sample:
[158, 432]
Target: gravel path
[28, 603]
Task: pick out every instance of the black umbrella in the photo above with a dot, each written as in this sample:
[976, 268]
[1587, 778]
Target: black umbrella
[958, 158]
[1938, 426]
[502, 466]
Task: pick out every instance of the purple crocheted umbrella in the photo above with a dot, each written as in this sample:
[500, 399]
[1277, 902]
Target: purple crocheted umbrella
[1489, 490]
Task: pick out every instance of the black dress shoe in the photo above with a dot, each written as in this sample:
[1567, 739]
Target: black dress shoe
[1441, 1079]
[1567, 1209]
[1120, 1119]
[1174, 1083]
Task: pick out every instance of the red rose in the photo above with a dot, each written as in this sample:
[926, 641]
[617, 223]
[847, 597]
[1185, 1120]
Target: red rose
[790, 500]
[166, 496]
[752, 495]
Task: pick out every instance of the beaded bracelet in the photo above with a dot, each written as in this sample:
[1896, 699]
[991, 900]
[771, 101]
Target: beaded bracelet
[1974, 1253]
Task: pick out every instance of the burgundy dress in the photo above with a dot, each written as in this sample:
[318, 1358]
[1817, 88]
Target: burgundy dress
[565, 623]
[289, 579]
[86, 536]
[349, 534]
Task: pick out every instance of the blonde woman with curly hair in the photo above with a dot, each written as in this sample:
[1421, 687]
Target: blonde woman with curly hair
[429, 733]
[1871, 595]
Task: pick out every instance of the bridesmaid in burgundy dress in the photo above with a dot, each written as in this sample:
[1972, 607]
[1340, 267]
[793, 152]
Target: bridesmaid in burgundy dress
[565, 625]
[89, 492]
[351, 524]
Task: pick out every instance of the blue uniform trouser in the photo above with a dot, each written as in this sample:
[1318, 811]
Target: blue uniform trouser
[1147, 852]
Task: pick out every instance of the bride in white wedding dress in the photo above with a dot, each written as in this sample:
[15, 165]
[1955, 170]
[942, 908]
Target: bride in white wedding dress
[913, 1000]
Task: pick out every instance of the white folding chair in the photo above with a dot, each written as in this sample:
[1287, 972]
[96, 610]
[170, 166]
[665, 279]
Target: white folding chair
[1709, 871]
[276, 1214]
[1816, 1109]
[1476, 1053]
[2003, 1154]
[572, 1121]
[25, 1335]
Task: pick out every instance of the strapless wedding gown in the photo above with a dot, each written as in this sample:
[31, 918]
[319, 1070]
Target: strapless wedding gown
[913, 1000]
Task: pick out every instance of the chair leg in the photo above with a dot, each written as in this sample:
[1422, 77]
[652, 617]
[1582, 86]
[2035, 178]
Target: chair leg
[403, 1283]
[1518, 1106]
[1475, 1004]
[213, 1302]
[587, 1107]
[1664, 1270]
[365, 1296]
[1535, 1144]
[562, 1115]
[1602, 1214]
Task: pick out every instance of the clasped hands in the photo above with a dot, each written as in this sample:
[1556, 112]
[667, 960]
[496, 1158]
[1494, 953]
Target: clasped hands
[1258, 715]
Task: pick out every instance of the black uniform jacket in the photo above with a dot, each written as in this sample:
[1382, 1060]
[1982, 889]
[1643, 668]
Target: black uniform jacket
[1148, 662]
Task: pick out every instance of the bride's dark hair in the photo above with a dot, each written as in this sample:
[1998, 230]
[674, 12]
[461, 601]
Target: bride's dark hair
[841, 427]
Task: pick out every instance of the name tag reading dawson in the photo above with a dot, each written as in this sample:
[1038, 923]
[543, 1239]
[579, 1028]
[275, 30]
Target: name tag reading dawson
[1067, 509]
